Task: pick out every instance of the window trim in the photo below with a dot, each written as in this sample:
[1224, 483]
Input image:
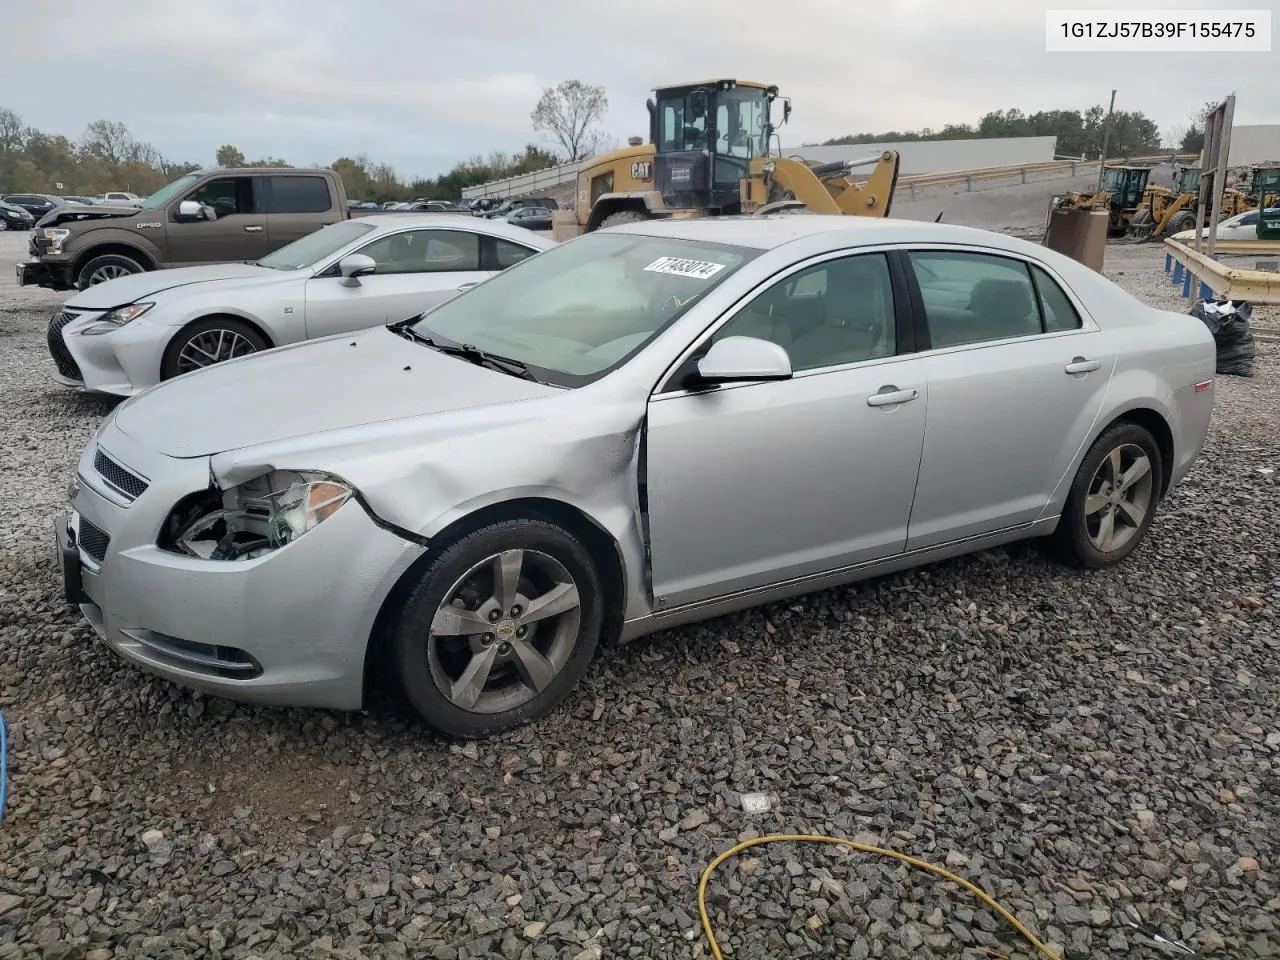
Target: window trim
[668, 384]
[924, 340]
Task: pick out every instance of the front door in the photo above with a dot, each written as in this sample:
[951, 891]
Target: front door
[756, 483]
[1016, 382]
[239, 232]
[416, 269]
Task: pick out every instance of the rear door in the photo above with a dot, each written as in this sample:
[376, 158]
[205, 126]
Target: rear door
[1017, 375]
[298, 204]
[238, 233]
[416, 269]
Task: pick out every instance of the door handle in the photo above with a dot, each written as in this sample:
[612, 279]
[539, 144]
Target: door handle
[253, 228]
[1081, 365]
[890, 394]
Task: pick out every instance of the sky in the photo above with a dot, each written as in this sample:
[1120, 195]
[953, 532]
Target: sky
[423, 84]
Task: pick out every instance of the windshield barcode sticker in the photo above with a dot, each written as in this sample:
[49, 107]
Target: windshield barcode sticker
[699, 269]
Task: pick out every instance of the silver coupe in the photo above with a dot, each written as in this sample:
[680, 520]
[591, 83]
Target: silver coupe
[641, 427]
[127, 334]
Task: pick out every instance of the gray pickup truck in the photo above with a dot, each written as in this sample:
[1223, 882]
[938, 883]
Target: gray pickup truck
[211, 216]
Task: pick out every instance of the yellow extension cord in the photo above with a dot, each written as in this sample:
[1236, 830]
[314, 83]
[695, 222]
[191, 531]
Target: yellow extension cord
[864, 848]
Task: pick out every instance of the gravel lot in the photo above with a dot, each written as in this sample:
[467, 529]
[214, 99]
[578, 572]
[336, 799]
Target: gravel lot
[1079, 745]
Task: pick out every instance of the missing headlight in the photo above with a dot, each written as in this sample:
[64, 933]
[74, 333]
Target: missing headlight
[255, 518]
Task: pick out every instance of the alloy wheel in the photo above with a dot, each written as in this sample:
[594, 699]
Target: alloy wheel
[110, 271]
[213, 346]
[1119, 499]
[504, 632]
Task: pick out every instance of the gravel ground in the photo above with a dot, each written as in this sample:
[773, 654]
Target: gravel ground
[1079, 745]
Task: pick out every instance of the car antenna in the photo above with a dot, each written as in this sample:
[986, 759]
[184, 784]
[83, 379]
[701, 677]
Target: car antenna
[938, 218]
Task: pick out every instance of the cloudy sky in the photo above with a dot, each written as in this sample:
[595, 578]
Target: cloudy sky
[422, 84]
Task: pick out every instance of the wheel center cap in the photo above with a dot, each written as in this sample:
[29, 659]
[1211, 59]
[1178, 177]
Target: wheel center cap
[505, 630]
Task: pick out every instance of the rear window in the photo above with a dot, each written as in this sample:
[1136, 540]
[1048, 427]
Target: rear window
[301, 194]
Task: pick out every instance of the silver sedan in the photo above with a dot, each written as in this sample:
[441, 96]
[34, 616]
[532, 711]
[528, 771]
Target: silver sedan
[638, 428]
[125, 335]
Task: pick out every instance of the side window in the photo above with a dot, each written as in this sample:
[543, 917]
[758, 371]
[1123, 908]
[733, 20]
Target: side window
[1249, 218]
[1059, 314]
[975, 297]
[501, 254]
[839, 311]
[302, 194]
[227, 195]
[425, 251]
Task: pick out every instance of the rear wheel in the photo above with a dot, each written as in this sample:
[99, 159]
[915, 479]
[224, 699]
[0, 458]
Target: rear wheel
[500, 629]
[110, 266]
[1182, 220]
[1113, 499]
[623, 216]
[207, 342]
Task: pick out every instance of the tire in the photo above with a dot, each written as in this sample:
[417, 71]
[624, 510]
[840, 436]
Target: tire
[225, 338]
[106, 267]
[623, 216]
[4, 225]
[1182, 220]
[429, 664]
[1080, 537]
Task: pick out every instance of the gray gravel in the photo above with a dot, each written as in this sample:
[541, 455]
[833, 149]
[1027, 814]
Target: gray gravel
[1079, 745]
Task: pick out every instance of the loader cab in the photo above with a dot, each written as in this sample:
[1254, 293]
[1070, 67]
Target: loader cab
[1189, 180]
[1126, 185]
[705, 136]
[1266, 187]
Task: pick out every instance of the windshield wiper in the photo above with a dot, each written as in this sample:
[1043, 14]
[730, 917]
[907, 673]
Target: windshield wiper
[470, 352]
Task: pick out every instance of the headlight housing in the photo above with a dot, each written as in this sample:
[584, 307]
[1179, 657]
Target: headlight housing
[259, 516]
[55, 236]
[115, 319]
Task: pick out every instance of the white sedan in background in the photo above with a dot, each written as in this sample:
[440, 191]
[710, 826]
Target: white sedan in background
[128, 334]
[1243, 226]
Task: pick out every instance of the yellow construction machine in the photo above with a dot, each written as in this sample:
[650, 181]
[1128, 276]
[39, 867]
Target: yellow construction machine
[1121, 195]
[710, 154]
[1165, 212]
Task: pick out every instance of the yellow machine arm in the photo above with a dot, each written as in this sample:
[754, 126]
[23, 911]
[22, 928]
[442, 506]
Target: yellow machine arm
[828, 188]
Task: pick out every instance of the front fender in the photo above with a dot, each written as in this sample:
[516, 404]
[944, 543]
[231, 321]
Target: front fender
[81, 244]
[279, 311]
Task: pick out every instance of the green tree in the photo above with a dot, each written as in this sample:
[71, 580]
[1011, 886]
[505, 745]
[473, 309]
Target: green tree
[570, 112]
[229, 156]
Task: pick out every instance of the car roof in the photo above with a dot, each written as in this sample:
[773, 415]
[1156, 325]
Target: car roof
[455, 221]
[841, 230]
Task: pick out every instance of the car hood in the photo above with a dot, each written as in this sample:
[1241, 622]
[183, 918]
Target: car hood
[80, 212]
[312, 387]
[122, 290]
[13, 208]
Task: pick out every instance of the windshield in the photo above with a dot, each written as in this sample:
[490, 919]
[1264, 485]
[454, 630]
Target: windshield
[314, 247]
[574, 312]
[165, 194]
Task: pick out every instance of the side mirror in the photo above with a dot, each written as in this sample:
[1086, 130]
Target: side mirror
[355, 265]
[739, 359]
[786, 110]
[195, 210]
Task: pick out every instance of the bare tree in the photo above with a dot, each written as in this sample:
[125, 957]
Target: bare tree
[106, 140]
[13, 134]
[568, 112]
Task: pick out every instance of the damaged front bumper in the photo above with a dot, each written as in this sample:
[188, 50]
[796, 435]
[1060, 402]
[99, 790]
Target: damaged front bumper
[288, 628]
[43, 273]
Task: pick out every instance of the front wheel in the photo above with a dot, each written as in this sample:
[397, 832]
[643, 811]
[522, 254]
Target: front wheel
[500, 629]
[207, 342]
[1113, 499]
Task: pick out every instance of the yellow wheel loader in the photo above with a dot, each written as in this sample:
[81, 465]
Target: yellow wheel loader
[1121, 195]
[1165, 212]
[710, 154]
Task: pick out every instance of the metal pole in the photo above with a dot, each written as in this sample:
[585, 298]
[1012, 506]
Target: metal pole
[1106, 137]
[1220, 177]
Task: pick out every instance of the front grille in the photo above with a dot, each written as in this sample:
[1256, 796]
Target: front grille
[93, 540]
[119, 478]
[66, 363]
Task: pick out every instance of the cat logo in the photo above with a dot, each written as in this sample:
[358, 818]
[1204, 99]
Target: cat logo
[642, 170]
